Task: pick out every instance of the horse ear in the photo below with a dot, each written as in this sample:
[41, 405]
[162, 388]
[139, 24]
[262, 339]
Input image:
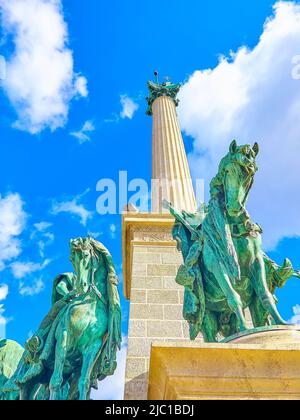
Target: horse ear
[233, 147]
[256, 149]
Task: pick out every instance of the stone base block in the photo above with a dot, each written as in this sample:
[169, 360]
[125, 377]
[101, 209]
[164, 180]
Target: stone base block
[264, 365]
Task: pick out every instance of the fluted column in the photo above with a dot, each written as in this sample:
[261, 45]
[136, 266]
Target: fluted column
[170, 170]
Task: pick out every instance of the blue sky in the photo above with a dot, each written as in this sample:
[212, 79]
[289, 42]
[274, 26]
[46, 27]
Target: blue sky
[101, 54]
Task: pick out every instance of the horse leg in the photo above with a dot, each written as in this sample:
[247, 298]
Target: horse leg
[24, 393]
[210, 327]
[232, 297]
[234, 326]
[58, 374]
[89, 360]
[259, 282]
[258, 313]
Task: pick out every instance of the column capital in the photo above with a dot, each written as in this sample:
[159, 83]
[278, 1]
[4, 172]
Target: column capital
[158, 90]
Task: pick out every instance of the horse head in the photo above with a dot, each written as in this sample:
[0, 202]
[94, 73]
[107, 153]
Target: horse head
[235, 177]
[85, 261]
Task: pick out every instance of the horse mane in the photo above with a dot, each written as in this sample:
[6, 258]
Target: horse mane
[98, 250]
[216, 185]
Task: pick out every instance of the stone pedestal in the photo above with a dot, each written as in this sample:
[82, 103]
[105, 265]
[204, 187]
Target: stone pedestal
[150, 265]
[261, 365]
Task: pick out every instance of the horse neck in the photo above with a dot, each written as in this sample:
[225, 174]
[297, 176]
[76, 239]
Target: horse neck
[218, 201]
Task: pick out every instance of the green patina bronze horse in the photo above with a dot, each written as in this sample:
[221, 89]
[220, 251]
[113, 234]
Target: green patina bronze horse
[76, 344]
[225, 270]
[10, 356]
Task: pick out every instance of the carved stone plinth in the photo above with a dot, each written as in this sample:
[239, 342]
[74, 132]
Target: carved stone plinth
[263, 365]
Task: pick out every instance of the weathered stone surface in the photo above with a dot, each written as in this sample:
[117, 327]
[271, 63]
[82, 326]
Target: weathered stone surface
[148, 258]
[137, 329]
[186, 330]
[147, 283]
[159, 318]
[139, 296]
[142, 311]
[164, 329]
[139, 269]
[136, 367]
[161, 270]
[136, 390]
[163, 249]
[139, 347]
[173, 258]
[163, 296]
[181, 297]
[140, 249]
[254, 368]
[173, 312]
[170, 283]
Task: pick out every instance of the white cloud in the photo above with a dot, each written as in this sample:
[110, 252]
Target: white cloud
[21, 270]
[112, 388]
[74, 208]
[83, 135]
[3, 292]
[2, 68]
[40, 80]
[252, 96]
[42, 226]
[296, 318]
[81, 86]
[12, 224]
[42, 244]
[95, 235]
[3, 322]
[112, 230]
[42, 236]
[35, 289]
[129, 107]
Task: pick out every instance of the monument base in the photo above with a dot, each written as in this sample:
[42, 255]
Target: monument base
[261, 364]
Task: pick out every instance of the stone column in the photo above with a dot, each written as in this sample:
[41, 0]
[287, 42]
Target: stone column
[170, 171]
[150, 256]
